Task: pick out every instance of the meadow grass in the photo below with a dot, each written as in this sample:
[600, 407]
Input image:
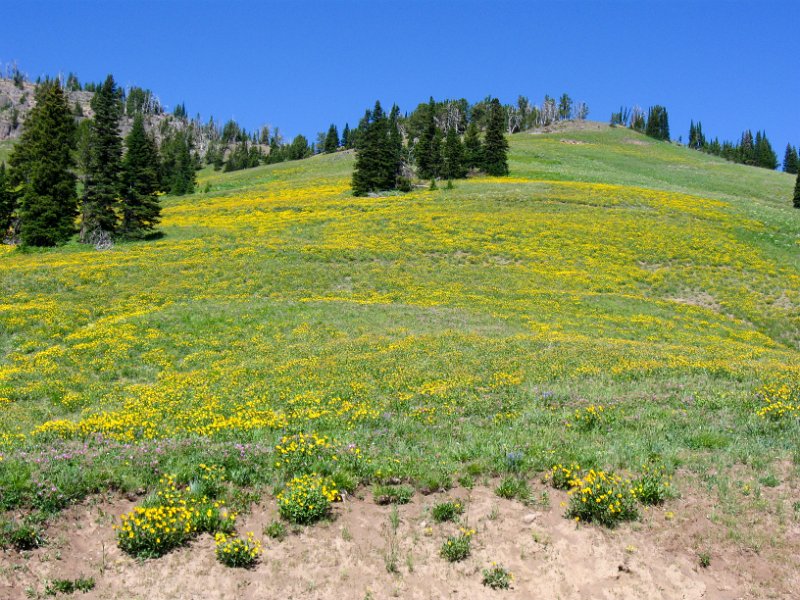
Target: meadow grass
[436, 332]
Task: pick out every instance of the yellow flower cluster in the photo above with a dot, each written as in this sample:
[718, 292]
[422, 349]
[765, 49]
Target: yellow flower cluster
[177, 516]
[301, 449]
[564, 477]
[307, 498]
[780, 401]
[237, 552]
[591, 416]
[603, 498]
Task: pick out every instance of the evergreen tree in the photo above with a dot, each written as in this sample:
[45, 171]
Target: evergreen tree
[394, 154]
[377, 155]
[7, 202]
[697, 140]
[332, 139]
[299, 148]
[657, 123]
[453, 156]
[765, 155]
[102, 185]
[426, 151]
[177, 165]
[347, 143]
[747, 149]
[140, 167]
[565, 107]
[790, 160]
[797, 192]
[473, 150]
[495, 147]
[42, 165]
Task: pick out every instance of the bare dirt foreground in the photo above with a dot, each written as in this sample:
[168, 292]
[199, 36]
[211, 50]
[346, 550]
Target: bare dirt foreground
[551, 557]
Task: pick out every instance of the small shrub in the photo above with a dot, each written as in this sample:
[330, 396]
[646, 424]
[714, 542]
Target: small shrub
[301, 452]
[307, 499]
[512, 487]
[237, 552]
[447, 511]
[705, 559]
[603, 498]
[513, 461]
[275, 530]
[457, 547]
[21, 536]
[69, 586]
[392, 494]
[653, 485]
[497, 577]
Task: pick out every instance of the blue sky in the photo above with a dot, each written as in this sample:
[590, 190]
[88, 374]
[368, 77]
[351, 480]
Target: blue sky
[302, 65]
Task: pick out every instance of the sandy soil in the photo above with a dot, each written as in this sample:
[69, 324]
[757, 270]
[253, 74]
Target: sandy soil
[551, 557]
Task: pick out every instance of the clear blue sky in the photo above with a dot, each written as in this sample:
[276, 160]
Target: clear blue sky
[302, 65]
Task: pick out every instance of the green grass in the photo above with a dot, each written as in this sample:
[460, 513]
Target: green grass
[440, 332]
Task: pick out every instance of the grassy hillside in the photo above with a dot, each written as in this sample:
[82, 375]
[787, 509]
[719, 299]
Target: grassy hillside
[434, 330]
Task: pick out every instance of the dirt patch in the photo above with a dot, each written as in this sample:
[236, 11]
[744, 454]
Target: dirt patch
[699, 298]
[636, 142]
[575, 142]
[575, 125]
[348, 557]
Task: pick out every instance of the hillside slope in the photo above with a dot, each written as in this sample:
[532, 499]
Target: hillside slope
[446, 335]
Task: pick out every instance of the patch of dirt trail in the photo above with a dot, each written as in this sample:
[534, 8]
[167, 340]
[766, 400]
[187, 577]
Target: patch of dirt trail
[346, 558]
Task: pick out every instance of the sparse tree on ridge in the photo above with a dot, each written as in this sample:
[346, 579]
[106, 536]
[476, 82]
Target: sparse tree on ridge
[657, 123]
[495, 147]
[565, 107]
[140, 208]
[102, 184]
[332, 139]
[378, 160]
[790, 160]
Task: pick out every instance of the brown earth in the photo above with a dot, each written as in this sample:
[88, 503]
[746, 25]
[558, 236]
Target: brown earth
[349, 557]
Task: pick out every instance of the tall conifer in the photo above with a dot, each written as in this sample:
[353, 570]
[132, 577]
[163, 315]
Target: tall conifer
[102, 185]
[473, 150]
[140, 207]
[7, 203]
[42, 165]
[332, 139]
[495, 148]
[790, 162]
[797, 192]
[453, 156]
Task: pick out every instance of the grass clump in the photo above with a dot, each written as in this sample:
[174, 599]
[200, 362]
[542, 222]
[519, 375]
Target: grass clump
[69, 586]
[393, 494]
[603, 498]
[497, 577]
[275, 530]
[307, 499]
[237, 552]
[652, 487]
[591, 417]
[513, 487]
[447, 511]
[457, 547]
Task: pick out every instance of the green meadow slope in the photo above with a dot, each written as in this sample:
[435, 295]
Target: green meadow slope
[434, 330]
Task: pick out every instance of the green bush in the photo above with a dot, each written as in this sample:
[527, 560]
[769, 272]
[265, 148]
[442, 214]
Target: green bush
[447, 511]
[389, 494]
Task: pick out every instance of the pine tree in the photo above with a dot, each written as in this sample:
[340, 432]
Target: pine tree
[657, 123]
[790, 160]
[453, 156]
[332, 139]
[177, 166]
[140, 207]
[495, 148]
[426, 152]
[102, 185]
[377, 155]
[42, 166]
[473, 150]
[797, 192]
[7, 202]
[565, 107]
[765, 155]
[394, 154]
[347, 143]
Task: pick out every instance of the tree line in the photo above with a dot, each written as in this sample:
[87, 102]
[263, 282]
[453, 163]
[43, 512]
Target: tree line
[437, 141]
[655, 124]
[39, 199]
[754, 150]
